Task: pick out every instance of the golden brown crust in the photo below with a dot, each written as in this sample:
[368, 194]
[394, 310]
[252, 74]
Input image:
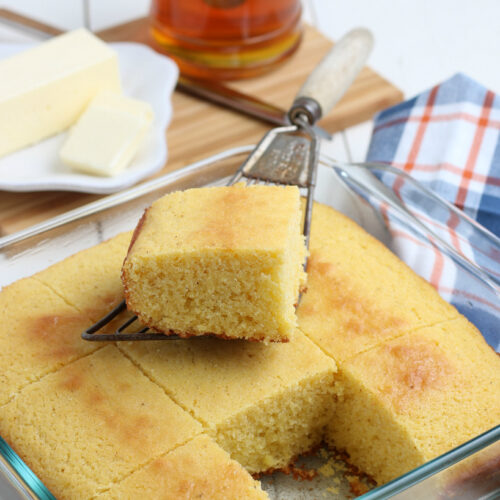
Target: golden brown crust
[137, 231]
[135, 235]
[415, 369]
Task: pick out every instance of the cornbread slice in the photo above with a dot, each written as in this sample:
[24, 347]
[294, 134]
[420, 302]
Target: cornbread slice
[359, 294]
[414, 379]
[39, 333]
[225, 261]
[416, 397]
[263, 404]
[199, 469]
[89, 280]
[92, 423]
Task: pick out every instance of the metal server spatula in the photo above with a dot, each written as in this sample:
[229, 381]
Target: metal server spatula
[286, 155]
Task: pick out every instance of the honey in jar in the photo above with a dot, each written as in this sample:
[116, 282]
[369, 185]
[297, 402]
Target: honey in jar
[226, 39]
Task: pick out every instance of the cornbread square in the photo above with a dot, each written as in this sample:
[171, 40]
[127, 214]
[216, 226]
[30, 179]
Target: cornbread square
[92, 423]
[408, 381]
[416, 397]
[198, 469]
[39, 333]
[89, 280]
[226, 261]
[264, 404]
[359, 294]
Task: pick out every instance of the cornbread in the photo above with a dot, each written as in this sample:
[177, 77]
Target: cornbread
[411, 379]
[91, 423]
[359, 294]
[415, 397]
[90, 279]
[360, 300]
[263, 404]
[199, 469]
[225, 261]
[39, 333]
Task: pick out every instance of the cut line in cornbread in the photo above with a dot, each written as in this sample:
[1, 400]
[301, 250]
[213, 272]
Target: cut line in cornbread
[92, 423]
[264, 404]
[39, 333]
[409, 368]
[359, 294]
[415, 397]
[197, 470]
[89, 280]
[225, 261]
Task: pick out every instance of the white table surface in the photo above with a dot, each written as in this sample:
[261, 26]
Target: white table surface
[417, 44]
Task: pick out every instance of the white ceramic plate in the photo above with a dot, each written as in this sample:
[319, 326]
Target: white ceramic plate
[145, 75]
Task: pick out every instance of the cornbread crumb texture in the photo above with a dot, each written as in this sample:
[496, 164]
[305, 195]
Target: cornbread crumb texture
[359, 294]
[263, 404]
[225, 260]
[416, 397]
[39, 333]
[404, 392]
[93, 422]
[197, 470]
[90, 279]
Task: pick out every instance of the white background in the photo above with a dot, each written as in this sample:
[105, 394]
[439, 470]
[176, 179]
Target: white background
[418, 43]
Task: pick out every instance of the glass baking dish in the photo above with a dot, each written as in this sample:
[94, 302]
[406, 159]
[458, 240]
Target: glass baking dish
[358, 190]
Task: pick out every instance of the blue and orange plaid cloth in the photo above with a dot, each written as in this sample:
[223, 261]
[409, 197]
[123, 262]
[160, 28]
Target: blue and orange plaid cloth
[448, 139]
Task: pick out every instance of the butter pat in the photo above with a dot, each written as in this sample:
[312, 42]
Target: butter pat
[107, 135]
[45, 89]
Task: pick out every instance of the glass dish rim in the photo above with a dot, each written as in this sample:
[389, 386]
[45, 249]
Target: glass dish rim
[20, 470]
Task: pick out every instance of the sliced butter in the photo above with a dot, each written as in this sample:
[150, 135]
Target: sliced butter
[107, 135]
[45, 89]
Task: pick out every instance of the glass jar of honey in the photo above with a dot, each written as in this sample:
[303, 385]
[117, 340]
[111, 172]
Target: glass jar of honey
[226, 39]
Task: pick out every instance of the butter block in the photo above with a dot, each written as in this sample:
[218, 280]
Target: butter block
[45, 89]
[107, 135]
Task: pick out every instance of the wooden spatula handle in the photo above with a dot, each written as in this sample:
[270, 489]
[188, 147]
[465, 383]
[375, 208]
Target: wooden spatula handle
[335, 73]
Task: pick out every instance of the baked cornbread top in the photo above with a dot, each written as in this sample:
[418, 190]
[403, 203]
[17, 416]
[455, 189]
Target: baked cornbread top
[39, 333]
[217, 379]
[359, 294]
[110, 417]
[236, 217]
[446, 370]
[198, 469]
[87, 280]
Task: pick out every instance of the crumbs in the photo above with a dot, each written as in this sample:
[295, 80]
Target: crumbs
[337, 467]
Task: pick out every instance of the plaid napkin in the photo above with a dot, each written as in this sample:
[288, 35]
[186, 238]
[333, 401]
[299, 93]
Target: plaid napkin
[448, 138]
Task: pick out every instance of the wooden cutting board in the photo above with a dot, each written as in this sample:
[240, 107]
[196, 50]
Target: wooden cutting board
[200, 129]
